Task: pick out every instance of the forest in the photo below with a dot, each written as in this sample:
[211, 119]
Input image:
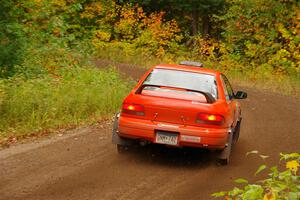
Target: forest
[48, 79]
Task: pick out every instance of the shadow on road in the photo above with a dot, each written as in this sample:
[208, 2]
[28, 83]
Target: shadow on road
[171, 156]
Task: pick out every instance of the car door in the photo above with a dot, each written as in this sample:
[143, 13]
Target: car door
[232, 104]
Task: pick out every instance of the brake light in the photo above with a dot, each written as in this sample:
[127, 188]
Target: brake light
[133, 109]
[204, 118]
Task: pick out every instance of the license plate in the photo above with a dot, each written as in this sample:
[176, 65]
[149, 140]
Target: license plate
[166, 138]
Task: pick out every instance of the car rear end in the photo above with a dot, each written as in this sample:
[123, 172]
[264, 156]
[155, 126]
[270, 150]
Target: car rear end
[175, 107]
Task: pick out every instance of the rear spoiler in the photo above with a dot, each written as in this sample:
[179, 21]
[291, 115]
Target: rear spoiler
[208, 96]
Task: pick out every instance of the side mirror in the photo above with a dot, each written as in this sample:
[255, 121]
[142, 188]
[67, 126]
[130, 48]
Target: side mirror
[240, 95]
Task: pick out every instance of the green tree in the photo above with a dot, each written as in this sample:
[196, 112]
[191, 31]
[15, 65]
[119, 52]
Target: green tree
[264, 34]
[198, 13]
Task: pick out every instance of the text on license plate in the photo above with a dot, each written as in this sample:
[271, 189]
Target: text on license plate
[166, 138]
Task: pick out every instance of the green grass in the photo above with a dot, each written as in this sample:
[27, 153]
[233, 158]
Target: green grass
[81, 95]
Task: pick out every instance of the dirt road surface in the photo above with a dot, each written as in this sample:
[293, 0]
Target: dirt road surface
[85, 165]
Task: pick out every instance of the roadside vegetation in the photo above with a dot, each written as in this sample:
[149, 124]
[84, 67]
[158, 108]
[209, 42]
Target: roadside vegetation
[48, 79]
[73, 97]
[282, 182]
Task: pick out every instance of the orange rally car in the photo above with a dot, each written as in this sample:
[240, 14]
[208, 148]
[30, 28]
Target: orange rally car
[181, 105]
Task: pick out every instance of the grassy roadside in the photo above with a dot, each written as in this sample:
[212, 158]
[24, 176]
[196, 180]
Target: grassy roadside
[78, 96]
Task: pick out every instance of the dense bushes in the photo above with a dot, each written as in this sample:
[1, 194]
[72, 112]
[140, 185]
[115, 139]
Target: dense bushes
[263, 36]
[129, 25]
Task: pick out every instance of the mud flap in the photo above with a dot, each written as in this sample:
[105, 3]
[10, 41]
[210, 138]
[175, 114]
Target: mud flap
[223, 157]
[116, 139]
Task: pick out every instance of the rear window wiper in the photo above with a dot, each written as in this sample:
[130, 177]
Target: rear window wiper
[208, 96]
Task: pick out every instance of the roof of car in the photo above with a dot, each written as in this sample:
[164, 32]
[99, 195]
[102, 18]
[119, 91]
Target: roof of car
[187, 68]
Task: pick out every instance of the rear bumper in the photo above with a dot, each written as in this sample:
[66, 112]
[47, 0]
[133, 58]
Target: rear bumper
[146, 130]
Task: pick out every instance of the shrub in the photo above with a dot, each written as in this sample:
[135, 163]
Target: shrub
[130, 25]
[206, 48]
[280, 184]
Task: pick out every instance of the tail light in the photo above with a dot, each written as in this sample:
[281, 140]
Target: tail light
[211, 119]
[133, 109]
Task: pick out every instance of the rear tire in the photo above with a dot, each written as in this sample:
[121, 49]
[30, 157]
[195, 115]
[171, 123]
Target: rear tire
[236, 133]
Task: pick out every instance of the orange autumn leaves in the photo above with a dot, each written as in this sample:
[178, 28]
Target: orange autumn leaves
[106, 23]
[132, 26]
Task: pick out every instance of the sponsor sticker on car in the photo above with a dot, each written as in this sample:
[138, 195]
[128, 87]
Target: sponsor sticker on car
[187, 138]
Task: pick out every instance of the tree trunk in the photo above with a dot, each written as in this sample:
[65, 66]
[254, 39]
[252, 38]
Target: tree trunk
[195, 23]
[205, 25]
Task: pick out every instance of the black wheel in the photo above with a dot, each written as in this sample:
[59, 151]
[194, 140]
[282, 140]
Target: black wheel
[236, 133]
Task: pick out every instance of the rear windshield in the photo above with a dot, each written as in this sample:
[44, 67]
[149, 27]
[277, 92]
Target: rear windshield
[182, 79]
